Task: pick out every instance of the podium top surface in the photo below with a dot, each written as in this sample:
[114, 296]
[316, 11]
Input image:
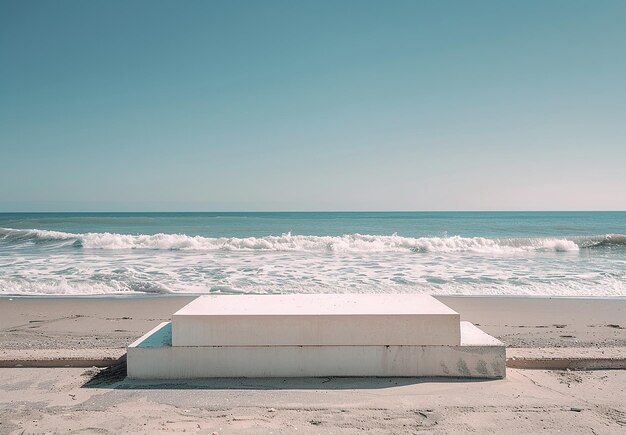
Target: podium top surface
[315, 305]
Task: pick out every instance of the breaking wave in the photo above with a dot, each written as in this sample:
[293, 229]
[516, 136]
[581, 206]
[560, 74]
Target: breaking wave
[349, 243]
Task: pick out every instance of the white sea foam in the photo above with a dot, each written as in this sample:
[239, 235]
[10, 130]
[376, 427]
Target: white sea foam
[60, 287]
[323, 283]
[355, 243]
[36, 262]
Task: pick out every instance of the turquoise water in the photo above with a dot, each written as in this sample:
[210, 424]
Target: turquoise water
[533, 253]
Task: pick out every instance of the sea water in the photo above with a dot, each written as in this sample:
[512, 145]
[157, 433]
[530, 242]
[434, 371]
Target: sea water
[472, 253]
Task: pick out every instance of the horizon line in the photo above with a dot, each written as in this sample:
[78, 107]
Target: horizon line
[323, 211]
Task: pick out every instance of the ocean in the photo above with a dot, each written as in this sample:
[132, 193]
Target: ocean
[467, 253]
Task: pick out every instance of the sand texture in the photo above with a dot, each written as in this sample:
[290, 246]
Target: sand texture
[88, 323]
[528, 401]
[102, 400]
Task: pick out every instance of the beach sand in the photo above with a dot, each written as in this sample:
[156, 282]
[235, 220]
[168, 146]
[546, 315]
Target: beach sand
[110, 322]
[91, 400]
[527, 401]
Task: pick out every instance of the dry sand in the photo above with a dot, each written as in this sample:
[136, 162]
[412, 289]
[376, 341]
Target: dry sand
[528, 401]
[546, 322]
[57, 400]
[106, 322]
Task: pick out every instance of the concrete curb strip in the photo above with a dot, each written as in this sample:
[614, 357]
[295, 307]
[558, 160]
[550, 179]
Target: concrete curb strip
[564, 358]
[48, 358]
[58, 363]
[520, 358]
[567, 363]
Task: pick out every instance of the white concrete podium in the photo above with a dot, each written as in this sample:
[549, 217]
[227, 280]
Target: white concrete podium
[315, 320]
[302, 335]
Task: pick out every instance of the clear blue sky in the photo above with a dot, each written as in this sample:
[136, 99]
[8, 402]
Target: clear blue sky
[293, 105]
